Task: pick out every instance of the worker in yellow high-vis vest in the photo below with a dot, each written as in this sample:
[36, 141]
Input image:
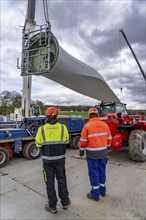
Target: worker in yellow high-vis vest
[53, 138]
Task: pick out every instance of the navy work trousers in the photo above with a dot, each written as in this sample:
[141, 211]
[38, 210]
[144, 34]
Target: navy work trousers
[52, 170]
[97, 174]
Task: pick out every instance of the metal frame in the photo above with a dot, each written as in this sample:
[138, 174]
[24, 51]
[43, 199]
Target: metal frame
[42, 35]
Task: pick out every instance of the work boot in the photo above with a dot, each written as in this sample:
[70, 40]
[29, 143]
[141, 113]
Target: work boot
[49, 209]
[66, 206]
[103, 195]
[89, 196]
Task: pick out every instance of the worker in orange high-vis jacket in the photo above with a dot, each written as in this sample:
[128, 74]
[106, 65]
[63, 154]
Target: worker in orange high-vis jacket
[95, 139]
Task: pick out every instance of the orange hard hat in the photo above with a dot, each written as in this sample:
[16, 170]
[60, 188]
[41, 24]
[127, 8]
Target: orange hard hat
[52, 112]
[92, 111]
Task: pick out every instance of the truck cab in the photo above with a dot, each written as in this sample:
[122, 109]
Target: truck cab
[105, 108]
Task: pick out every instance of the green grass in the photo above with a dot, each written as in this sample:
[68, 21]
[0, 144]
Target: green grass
[67, 113]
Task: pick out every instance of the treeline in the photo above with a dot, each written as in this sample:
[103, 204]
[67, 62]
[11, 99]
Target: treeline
[73, 108]
[9, 100]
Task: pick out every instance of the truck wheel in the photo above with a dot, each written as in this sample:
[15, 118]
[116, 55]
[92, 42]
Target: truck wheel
[24, 150]
[30, 151]
[76, 142]
[4, 157]
[137, 145]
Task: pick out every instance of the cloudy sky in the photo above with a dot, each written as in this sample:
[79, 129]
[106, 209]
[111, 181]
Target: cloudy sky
[88, 30]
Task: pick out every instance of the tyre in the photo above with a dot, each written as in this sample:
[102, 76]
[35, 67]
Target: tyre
[30, 151]
[75, 142]
[137, 145]
[4, 156]
[24, 150]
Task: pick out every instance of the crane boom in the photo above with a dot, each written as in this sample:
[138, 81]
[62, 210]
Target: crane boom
[31, 10]
[27, 80]
[133, 54]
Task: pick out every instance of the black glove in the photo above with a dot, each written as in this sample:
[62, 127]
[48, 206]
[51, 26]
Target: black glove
[81, 153]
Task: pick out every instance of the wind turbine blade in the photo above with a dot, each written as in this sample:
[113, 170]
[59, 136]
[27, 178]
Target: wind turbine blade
[78, 76]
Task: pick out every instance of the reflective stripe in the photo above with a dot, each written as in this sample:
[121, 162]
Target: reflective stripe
[53, 157]
[82, 148]
[83, 139]
[96, 149]
[95, 187]
[53, 142]
[97, 134]
[43, 134]
[62, 132]
[102, 184]
[45, 176]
